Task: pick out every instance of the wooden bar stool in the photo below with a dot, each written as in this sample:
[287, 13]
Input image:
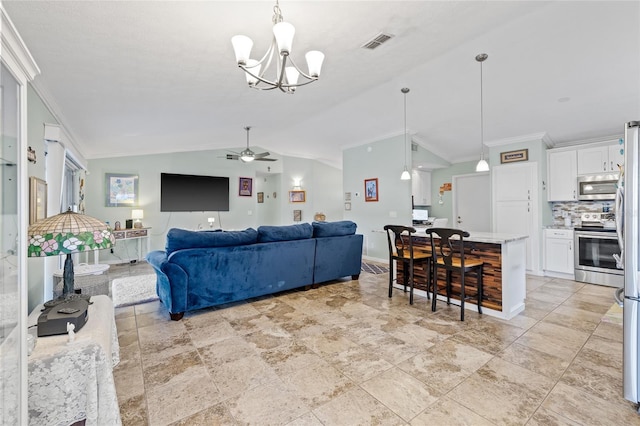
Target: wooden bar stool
[448, 253]
[401, 250]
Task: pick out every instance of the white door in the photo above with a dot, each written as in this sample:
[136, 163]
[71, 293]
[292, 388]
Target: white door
[471, 206]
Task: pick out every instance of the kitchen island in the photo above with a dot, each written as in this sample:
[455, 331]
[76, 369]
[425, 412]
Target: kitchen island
[504, 274]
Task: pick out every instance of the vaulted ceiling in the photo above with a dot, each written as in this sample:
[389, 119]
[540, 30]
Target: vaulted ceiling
[137, 77]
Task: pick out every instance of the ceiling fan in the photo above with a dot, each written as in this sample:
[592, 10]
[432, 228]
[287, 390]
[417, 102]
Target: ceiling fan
[247, 156]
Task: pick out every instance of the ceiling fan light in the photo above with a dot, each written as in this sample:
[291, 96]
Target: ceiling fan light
[314, 62]
[482, 166]
[292, 75]
[247, 156]
[283, 32]
[242, 47]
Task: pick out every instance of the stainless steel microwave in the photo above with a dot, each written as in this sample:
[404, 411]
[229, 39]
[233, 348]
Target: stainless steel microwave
[598, 187]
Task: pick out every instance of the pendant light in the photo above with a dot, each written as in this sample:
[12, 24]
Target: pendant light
[482, 165]
[405, 174]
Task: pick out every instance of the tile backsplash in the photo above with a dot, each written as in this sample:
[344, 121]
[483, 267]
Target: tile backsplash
[574, 209]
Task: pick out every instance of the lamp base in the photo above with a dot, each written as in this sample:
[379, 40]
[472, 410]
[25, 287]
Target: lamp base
[66, 298]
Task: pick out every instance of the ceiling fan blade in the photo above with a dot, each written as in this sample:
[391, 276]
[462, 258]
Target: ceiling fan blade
[262, 155]
[266, 159]
[232, 157]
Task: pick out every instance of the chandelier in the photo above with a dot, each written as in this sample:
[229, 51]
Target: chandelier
[286, 76]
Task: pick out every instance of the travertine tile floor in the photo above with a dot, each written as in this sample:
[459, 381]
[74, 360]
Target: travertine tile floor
[346, 354]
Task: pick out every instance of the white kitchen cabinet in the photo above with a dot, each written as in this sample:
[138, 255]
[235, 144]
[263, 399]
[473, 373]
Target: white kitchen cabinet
[516, 205]
[600, 159]
[421, 188]
[562, 173]
[593, 160]
[558, 251]
[616, 157]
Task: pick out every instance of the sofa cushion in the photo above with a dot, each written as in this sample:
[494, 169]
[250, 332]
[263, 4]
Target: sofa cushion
[333, 229]
[268, 234]
[178, 239]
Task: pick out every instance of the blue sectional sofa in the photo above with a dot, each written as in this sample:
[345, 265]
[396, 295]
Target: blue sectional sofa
[200, 269]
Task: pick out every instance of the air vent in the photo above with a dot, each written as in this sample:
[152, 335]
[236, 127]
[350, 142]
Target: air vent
[377, 41]
[414, 147]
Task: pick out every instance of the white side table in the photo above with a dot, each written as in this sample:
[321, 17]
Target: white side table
[90, 279]
[69, 382]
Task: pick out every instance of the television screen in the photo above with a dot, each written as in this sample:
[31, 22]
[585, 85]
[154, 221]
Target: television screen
[192, 193]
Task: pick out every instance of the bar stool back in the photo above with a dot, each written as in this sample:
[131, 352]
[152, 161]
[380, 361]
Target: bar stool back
[448, 253]
[401, 250]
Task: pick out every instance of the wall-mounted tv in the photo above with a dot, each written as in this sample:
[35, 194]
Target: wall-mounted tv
[193, 193]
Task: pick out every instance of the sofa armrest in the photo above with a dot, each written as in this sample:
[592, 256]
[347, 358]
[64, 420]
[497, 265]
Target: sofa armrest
[172, 281]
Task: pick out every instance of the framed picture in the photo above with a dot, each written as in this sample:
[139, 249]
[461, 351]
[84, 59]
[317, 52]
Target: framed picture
[371, 189]
[121, 190]
[245, 187]
[347, 205]
[37, 199]
[261, 197]
[514, 156]
[297, 196]
[297, 215]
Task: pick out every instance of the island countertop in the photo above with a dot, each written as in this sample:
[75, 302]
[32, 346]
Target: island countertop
[482, 237]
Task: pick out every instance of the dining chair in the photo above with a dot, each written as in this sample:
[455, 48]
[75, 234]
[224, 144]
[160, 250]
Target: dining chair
[401, 250]
[447, 249]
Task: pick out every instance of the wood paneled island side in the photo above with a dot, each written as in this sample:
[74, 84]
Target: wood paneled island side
[504, 275]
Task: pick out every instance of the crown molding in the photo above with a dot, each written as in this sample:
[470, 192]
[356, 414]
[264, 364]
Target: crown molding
[533, 137]
[14, 47]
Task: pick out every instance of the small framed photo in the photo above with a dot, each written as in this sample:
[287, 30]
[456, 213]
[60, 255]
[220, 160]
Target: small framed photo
[514, 156]
[121, 190]
[260, 197]
[297, 196]
[37, 199]
[245, 187]
[297, 215]
[347, 206]
[371, 189]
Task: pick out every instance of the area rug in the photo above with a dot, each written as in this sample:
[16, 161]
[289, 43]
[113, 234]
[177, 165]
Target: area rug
[373, 268]
[133, 290]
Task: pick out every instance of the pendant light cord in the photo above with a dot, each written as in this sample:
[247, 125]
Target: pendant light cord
[481, 116]
[405, 128]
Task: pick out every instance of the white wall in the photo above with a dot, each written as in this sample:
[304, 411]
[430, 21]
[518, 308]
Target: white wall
[383, 160]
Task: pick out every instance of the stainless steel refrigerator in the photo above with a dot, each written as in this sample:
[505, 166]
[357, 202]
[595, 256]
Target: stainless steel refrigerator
[628, 227]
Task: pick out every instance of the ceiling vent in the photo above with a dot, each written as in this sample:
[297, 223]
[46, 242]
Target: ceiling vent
[377, 41]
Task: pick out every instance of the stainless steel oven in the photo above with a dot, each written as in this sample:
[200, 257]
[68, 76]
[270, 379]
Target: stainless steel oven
[594, 261]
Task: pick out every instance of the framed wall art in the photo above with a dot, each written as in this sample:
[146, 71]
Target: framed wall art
[121, 190]
[260, 197]
[37, 199]
[297, 215]
[371, 189]
[514, 156]
[297, 196]
[245, 187]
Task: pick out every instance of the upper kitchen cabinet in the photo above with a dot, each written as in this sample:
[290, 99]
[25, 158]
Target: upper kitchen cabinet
[562, 174]
[599, 159]
[421, 188]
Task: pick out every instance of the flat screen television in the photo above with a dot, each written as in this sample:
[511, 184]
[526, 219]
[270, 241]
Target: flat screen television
[193, 193]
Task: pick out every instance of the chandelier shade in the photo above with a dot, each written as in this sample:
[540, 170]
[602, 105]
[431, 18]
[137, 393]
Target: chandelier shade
[287, 73]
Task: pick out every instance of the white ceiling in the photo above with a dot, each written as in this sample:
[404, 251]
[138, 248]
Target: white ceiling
[137, 77]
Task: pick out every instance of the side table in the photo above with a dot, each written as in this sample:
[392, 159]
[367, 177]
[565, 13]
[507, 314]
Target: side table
[91, 280]
[70, 382]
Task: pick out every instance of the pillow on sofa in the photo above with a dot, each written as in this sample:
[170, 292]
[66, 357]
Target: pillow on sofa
[178, 239]
[269, 234]
[333, 229]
